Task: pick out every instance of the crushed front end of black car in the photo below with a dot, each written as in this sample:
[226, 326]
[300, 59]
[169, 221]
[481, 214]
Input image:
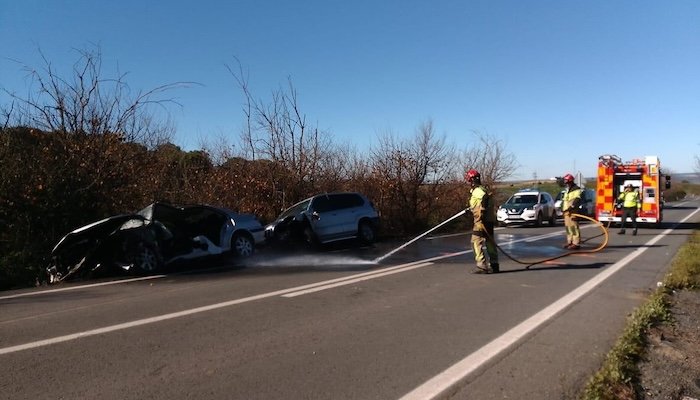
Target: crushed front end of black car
[127, 241]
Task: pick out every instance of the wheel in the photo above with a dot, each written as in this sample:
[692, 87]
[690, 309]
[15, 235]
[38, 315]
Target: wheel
[538, 220]
[365, 232]
[145, 258]
[242, 245]
[282, 235]
[553, 219]
[308, 236]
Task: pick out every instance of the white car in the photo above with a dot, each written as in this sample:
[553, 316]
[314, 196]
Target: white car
[527, 206]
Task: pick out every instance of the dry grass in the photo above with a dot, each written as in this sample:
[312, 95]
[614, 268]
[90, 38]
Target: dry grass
[618, 378]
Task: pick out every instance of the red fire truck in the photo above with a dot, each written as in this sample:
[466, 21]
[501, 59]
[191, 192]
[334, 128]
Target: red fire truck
[644, 174]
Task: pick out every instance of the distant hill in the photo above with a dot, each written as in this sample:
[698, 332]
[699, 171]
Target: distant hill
[691, 177]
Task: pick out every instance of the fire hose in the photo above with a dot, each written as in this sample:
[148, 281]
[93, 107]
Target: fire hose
[529, 264]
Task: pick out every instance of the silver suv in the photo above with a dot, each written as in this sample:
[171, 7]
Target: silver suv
[527, 206]
[326, 218]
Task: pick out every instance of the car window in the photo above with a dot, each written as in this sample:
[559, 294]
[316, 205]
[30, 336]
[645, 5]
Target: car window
[348, 200]
[560, 195]
[523, 199]
[590, 195]
[547, 197]
[322, 203]
[295, 209]
[338, 201]
[163, 212]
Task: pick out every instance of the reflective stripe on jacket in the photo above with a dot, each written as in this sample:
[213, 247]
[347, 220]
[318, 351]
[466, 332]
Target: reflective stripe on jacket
[571, 199]
[480, 205]
[630, 199]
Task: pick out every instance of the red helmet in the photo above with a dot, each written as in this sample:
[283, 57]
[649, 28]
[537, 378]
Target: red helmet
[568, 178]
[471, 175]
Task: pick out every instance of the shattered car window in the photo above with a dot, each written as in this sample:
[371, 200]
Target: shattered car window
[296, 209]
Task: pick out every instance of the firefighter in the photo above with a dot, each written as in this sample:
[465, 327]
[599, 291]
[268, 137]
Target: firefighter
[630, 207]
[570, 205]
[481, 208]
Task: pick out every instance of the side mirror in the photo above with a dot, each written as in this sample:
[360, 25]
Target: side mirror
[315, 216]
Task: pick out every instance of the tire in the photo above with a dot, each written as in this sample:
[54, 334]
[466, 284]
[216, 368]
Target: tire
[242, 245]
[553, 219]
[280, 235]
[145, 258]
[308, 236]
[366, 232]
[538, 220]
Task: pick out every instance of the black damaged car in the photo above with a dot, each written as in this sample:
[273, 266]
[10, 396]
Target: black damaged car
[147, 241]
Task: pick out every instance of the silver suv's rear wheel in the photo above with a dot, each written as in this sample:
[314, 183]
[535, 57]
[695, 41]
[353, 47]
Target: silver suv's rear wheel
[242, 245]
[366, 233]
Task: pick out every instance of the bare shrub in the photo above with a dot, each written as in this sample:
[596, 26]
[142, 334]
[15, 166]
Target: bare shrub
[411, 174]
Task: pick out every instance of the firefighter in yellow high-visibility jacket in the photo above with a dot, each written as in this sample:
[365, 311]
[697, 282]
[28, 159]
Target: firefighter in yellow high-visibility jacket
[569, 206]
[630, 207]
[481, 208]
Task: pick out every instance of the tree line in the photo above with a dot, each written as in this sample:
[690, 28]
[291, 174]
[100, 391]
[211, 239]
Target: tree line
[81, 147]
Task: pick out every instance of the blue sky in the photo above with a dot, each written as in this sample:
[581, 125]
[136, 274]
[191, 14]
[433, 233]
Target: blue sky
[560, 82]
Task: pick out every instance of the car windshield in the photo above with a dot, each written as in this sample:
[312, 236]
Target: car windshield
[295, 209]
[560, 195]
[523, 199]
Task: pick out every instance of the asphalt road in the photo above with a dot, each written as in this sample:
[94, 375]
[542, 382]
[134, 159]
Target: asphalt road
[334, 325]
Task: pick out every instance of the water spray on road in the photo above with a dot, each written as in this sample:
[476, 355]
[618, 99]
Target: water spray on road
[527, 263]
[379, 259]
[305, 260]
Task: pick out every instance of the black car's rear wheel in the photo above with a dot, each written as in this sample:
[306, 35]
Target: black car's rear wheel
[309, 236]
[145, 258]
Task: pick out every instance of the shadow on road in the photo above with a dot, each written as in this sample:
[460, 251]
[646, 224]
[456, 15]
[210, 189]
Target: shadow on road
[542, 267]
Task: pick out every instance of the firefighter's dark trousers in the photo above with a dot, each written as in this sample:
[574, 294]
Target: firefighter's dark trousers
[630, 212]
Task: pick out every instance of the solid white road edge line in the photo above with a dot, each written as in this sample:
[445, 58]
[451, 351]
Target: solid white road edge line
[13, 296]
[440, 383]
